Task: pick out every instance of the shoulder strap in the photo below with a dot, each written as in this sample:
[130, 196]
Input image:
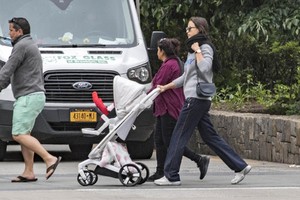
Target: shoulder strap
[180, 64]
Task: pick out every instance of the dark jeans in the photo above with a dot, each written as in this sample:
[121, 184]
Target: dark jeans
[195, 114]
[164, 127]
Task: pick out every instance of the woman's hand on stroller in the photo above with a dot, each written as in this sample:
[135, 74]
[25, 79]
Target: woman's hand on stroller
[163, 88]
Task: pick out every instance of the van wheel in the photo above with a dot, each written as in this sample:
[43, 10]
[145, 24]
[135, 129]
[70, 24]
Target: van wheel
[80, 151]
[3, 146]
[141, 150]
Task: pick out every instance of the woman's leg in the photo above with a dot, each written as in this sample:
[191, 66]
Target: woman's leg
[168, 124]
[219, 145]
[164, 127]
[161, 149]
[223, 150]
[189, 117]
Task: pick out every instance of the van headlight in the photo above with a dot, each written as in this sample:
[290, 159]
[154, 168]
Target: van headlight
[140, 74]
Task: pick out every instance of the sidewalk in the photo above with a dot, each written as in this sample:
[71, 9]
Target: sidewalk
[266, 181]
[263, 174]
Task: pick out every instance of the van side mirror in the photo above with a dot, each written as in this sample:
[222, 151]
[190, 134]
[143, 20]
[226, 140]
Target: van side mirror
[155, 37]
[152, 50]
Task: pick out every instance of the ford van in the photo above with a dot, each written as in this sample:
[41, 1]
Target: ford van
[84, 44]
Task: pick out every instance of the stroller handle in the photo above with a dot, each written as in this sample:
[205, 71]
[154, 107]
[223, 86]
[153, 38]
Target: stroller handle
[153, 94]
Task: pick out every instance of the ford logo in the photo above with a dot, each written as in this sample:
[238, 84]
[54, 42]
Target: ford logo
[82, 85]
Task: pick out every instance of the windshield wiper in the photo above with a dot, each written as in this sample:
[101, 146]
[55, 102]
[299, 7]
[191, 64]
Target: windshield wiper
[71, 45]
[5, 38]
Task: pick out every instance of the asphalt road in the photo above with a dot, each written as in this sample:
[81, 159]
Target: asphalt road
[267, 181]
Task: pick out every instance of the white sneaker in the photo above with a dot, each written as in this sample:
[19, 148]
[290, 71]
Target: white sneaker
[164, 181]
[239, 176]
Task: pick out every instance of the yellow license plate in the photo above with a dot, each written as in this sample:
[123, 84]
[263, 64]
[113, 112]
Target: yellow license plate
[83, 115]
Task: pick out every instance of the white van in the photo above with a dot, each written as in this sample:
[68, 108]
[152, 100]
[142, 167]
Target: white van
[84, 44]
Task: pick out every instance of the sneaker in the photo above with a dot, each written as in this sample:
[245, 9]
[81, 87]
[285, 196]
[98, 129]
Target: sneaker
[239, 176]
[165, 182]
[155, 176]
[203, 165]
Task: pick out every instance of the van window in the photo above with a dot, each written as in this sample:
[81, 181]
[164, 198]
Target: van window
[72, 22]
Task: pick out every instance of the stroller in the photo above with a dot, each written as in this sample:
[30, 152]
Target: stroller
[110, 157]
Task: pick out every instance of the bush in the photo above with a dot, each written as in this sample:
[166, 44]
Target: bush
[256, 98]
[257, 42]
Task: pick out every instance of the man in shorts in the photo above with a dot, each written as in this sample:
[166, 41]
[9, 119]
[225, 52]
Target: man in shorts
[24, 71]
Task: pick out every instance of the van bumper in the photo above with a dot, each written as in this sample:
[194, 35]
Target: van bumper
[53, 126]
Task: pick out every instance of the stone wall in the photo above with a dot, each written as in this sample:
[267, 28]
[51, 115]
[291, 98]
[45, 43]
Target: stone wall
[256, 136]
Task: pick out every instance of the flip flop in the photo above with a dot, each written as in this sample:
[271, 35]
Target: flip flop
[53, 168]
[22, 179]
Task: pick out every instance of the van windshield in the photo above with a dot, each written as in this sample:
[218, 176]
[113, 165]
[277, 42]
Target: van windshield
[72, 22]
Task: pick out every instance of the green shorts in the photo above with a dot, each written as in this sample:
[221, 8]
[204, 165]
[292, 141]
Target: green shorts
[26, 110]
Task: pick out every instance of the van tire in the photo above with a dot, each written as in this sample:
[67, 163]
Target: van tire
[141, 150]
[80, 151]
[3, 146]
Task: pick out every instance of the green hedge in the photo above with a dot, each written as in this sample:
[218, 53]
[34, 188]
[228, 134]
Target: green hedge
[257, 41]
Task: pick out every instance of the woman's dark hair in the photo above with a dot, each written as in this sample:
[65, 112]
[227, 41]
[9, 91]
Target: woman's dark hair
[170, 46]
[201, 24]
[20, 23]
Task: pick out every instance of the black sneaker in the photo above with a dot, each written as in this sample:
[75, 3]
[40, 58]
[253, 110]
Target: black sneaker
[203, 165]
[155, 176]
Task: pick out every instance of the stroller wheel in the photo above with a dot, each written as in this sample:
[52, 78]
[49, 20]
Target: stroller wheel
[87, 181]
[94, 179]
[129, 175]
[144, 172]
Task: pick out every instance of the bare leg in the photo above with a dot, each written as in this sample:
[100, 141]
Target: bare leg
[28, 156]
[31, 145]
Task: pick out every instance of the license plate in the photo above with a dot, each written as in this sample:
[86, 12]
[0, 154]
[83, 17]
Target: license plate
[83, 115]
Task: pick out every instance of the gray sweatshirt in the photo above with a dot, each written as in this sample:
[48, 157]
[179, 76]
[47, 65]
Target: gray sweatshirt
[24, 68]
[188, 79]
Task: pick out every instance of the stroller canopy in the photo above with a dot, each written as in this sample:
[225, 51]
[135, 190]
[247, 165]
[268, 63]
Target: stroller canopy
[127, 94]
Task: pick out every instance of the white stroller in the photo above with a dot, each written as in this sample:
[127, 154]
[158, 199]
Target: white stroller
[110, 157]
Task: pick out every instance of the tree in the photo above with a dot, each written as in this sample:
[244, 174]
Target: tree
[256, 38]
[243, 31]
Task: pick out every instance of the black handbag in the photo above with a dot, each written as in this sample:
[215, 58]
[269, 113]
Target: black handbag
[204, 89]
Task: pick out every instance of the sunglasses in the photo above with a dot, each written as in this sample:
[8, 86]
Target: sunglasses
[189, 28]
[15, 21]
[162, 39]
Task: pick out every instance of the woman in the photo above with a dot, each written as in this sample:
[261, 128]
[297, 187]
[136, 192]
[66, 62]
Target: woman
[168, 105]
[195, 111]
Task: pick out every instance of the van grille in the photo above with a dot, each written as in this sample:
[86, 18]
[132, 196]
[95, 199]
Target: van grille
[59, 85]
